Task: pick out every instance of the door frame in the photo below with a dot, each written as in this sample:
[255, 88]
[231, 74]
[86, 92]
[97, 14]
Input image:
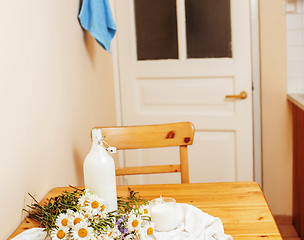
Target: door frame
[256, 96]
[255, 59]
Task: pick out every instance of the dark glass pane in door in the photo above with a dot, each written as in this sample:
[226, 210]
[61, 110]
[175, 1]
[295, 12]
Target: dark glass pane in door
[156, 29]
[208, 28]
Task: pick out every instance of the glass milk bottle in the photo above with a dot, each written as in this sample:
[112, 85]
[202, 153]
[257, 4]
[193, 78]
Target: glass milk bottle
[99, 172]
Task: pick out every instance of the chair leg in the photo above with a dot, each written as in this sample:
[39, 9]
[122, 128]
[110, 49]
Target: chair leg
[183, 151]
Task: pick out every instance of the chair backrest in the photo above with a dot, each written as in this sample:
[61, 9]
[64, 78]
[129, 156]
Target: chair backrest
[152, 136]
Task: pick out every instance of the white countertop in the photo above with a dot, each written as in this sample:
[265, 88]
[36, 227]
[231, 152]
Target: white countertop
[297, 99]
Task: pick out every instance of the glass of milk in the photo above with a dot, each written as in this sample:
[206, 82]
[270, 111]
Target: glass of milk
[163, 213]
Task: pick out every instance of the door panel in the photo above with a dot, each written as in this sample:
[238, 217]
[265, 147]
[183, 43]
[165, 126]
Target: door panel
[208, 28]
[215, 152]
[160, 96]
[161, 42]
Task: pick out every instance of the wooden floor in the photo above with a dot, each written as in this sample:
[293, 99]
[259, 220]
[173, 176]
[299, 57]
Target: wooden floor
[286, 228]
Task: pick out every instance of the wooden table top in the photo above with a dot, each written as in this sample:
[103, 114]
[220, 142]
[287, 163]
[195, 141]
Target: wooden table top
[240, 205]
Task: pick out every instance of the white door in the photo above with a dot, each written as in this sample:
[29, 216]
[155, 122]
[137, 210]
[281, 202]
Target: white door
[179, 80]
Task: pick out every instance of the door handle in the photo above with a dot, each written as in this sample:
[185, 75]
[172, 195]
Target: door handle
[242, 95]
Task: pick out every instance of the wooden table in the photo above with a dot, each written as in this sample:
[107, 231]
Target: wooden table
[240, 205]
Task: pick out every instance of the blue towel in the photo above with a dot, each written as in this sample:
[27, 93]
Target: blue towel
[96, 17]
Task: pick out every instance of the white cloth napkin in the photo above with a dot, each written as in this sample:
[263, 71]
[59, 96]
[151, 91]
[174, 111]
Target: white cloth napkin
[32, 234]
[193, 224]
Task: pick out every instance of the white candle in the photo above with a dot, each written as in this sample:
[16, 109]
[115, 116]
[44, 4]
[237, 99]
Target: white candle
[163, 214]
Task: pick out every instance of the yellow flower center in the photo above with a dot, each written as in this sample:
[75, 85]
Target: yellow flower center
[146, 211]
[110, 233]
[82, 232]
[149, 231]
[95, 204]
[135, 223]
[86, 216]
[77, 220]
[60, 234]
[102, 208]
[64, 222]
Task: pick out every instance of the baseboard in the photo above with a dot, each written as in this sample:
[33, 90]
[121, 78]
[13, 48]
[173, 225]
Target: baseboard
[283, 219]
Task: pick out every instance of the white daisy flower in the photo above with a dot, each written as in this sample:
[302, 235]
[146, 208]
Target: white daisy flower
[77, 218]
[104, 237]
[133, 223]
[70, 212]
[113, 233]
[82, 231]
[61, 233]
[129, 237]
[147, 231]
[144, 210]
[86, 214]
[100, 237]
[63, 220]
[84, 200]
[96, 206]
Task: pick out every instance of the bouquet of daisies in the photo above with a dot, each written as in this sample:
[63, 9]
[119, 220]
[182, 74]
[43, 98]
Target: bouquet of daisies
[84, 216]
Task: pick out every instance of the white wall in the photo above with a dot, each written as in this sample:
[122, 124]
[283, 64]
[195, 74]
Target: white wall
[276, 111]
[56, 83]
[295, 47]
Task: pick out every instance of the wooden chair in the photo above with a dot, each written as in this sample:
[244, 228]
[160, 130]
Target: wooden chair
[152, 136]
